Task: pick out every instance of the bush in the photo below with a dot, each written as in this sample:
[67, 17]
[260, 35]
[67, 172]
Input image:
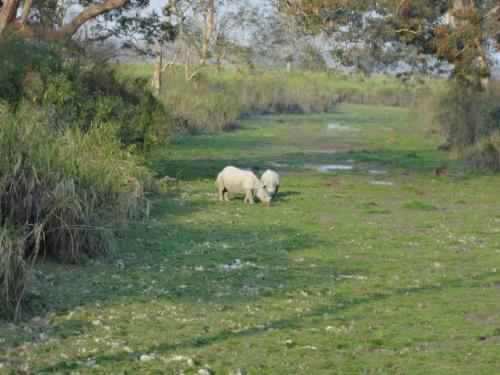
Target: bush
[468, 120]
[65, 197]
[485, 153]
[79, 91]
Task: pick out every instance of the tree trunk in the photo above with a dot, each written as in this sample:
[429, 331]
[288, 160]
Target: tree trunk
[485, 77]
[208, 30]
[26, 12]
[156, 81]
[288, 65]
[8, 14]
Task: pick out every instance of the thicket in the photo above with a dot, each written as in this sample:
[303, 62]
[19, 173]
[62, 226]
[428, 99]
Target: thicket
[68, 179]
[79, 91]
[467, 118]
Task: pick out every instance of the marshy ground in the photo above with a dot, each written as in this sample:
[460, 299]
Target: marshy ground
[365, 263]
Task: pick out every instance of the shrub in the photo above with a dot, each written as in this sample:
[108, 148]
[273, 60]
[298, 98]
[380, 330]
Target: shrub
[468, 120]
[76, 190]
[485, 153]
[79, 91]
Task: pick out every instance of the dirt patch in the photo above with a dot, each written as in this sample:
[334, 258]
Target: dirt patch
[488, 318]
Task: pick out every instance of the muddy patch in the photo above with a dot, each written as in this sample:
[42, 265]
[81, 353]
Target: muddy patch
[488, 318]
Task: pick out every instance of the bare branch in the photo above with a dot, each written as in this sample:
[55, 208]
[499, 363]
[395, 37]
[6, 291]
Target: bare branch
[89, 13]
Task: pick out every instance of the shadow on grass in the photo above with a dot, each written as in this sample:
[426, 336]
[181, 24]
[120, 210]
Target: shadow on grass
[164, 252]
[285, 195]
[287, 323]
[397, 160]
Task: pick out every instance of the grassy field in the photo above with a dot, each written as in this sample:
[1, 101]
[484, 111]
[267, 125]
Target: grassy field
[215, 101]
[378, 267]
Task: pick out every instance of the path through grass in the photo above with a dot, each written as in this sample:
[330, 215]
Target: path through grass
[383, 268]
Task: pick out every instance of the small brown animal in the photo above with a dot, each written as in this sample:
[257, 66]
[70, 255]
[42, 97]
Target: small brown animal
[440, 171]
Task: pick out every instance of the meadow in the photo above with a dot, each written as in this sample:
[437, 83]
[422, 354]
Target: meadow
[366, 262]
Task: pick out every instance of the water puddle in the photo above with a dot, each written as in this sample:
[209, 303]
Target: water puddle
[382, 183]
[335, 126]
[275, 164]
[321, 151]
[377, 171]
[331, 167]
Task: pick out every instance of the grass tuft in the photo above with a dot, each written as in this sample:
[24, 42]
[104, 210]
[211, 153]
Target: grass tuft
[418, 205]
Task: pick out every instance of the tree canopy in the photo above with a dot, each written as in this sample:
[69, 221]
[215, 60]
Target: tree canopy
[462, 33]
[63, 18]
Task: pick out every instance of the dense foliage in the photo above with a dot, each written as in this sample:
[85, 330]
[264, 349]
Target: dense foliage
[67, 182]
[78, 91]
[460, 33]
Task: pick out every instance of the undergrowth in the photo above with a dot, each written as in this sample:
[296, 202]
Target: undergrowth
[68, 177]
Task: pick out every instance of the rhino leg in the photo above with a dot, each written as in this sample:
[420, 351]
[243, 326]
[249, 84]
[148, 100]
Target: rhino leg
[249, 197]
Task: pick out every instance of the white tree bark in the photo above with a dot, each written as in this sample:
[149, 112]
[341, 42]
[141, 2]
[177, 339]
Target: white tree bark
[156, 81]
[208, 29]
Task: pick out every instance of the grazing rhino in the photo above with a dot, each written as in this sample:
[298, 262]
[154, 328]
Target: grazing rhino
[241, 182]
[271, 181]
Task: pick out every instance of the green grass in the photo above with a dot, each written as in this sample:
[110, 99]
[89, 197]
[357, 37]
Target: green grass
[337, 276]
[417, 205]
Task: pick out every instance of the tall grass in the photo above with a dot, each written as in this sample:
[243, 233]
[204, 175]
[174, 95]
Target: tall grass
[63, 193]
[214, 100]
[14, 268]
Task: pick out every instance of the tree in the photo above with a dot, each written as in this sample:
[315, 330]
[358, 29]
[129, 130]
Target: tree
[30, 20]
[52, 19]
[279, 36]
[208, 8]
[233, 19]
[462, 33]
[312, 58]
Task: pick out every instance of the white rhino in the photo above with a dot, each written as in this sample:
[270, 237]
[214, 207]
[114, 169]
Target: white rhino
[240, 182]
[271, 181]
